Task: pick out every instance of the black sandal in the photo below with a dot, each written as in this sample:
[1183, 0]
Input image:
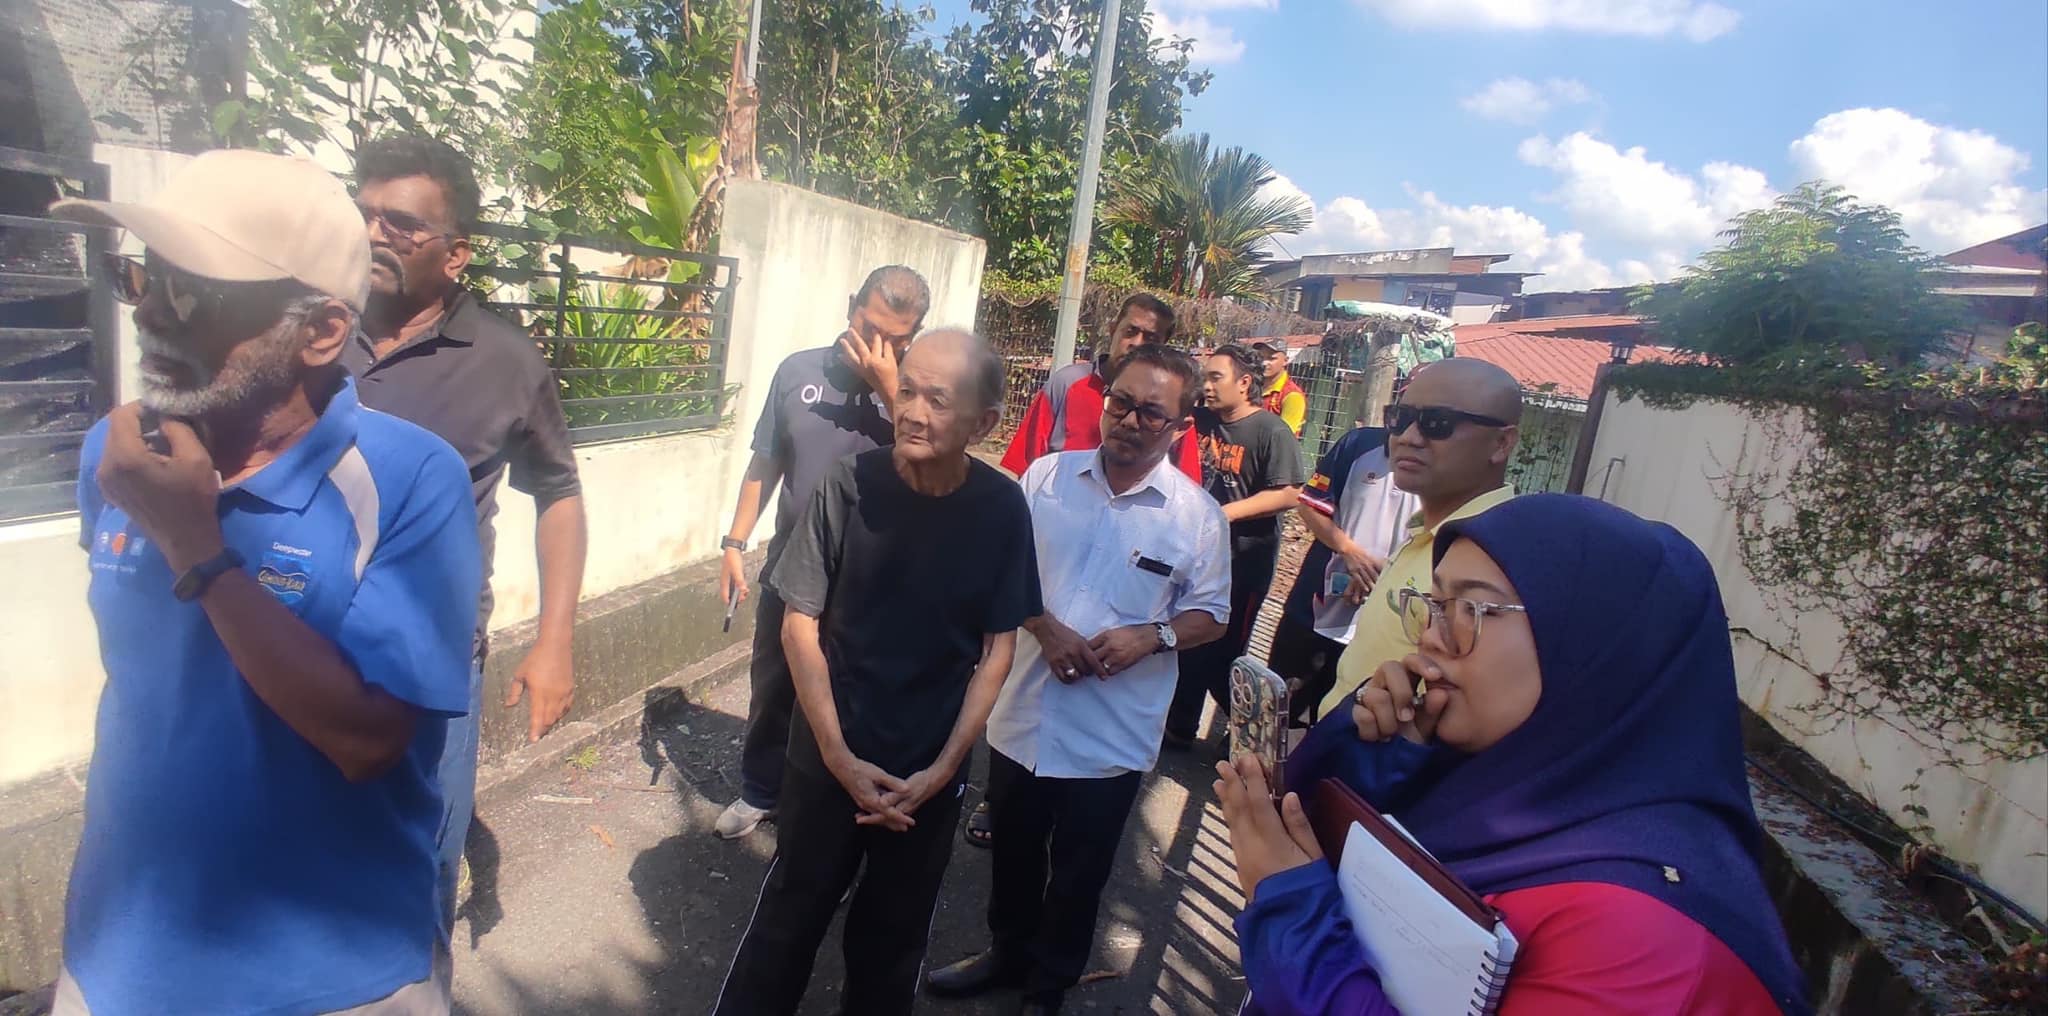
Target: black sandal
[981, 827]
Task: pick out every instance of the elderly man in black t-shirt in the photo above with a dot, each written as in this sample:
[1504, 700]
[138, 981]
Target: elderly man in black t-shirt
[824, 404]
[905, 581]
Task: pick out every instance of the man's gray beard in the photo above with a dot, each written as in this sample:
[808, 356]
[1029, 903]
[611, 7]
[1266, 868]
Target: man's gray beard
[255, 384]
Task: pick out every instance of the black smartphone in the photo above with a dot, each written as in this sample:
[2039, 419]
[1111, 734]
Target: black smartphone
[153, 432]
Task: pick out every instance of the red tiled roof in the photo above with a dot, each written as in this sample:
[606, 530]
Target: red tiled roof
[1537, 354]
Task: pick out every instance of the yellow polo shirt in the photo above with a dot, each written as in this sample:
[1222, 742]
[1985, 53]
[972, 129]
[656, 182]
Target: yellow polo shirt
[1379, 637]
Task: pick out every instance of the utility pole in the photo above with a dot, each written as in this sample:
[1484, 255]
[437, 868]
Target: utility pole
[1083, 226]
[753, 43]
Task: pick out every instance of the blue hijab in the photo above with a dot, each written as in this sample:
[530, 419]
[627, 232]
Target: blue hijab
[1630, 769]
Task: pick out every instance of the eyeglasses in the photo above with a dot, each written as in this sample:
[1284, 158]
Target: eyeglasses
[1459, 617]
[406, 233]
[1435, 422]
[1151, 418]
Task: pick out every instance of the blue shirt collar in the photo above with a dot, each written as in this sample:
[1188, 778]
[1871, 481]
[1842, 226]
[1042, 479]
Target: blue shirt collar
[291, 479]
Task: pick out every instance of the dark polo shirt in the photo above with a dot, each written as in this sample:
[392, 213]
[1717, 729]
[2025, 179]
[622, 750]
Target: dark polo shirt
[480, 383]
[818, 412]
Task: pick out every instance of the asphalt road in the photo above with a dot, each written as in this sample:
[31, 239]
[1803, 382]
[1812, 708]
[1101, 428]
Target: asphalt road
[597, 887]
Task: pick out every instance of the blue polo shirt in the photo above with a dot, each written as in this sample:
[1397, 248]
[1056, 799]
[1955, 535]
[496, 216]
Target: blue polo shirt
[226, 867]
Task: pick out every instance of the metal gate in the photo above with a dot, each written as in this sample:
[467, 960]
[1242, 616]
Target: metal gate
[56, 331]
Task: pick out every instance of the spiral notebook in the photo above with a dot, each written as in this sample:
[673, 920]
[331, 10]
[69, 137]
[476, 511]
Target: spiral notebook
[1438, 948]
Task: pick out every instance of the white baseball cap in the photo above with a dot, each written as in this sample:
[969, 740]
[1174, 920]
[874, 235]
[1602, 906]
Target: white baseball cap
[243, 216]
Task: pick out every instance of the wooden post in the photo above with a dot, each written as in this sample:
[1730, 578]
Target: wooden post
[1582, 456]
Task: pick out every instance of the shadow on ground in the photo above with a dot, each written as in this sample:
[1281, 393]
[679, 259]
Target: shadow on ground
[597, 887]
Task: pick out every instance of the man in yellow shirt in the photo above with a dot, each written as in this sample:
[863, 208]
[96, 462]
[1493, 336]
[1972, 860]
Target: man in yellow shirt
[1448, 443]
[1281, 396]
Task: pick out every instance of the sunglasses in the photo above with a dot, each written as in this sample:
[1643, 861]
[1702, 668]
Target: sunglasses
[1435, 422]
[1151, 418]
[193, 298]
[406, 233]
[132, 279]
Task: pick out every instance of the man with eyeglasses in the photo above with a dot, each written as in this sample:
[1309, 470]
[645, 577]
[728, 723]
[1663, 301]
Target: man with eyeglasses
[1449, 441]
[429, 353]
[1251, 463]
[1066, 414]
[1134, 561]
[285, 586]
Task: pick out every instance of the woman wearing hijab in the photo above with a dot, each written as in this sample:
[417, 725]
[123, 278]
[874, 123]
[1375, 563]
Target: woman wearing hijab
[1576, 760]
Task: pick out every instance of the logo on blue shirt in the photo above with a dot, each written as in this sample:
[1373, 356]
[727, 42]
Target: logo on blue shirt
[285, 574]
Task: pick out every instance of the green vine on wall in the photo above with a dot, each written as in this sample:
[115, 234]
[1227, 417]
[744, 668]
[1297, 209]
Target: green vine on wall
[1913, 509]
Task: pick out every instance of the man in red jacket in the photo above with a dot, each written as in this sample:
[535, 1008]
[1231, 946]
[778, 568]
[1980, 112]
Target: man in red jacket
[1066, 415]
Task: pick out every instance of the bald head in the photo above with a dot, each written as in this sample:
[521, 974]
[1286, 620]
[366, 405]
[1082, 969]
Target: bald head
[1483, 403]
[1474, 386]
[949, 394]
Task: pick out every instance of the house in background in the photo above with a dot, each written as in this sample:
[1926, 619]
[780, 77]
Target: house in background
[2003, 283]
[1461, 287]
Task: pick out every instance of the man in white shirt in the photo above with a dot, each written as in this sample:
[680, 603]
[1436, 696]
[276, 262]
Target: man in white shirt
[1134, 562]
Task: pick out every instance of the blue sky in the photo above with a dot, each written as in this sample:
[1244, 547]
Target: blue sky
[1603, 141]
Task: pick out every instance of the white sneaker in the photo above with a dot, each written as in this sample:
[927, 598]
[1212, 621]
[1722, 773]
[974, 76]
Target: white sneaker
[738, 819]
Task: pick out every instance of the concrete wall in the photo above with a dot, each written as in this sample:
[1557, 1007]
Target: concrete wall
[135, 72]
[1663, 464]
[656, 504]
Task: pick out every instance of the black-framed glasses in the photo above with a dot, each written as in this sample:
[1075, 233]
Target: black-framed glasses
[1151, 418]
[1456, 617]
[405, 232]
[1435, 422]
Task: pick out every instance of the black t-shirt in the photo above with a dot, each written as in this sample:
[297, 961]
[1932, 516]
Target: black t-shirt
[818, 411]
[1254, 454]
[905, 586]
[479, 383]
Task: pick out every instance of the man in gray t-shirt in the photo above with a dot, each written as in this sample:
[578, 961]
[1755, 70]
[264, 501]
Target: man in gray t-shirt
[824, 405]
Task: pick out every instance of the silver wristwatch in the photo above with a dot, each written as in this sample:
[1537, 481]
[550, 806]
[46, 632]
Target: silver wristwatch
[1167, 639]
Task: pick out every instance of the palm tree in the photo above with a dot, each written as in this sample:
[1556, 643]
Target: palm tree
[1205, 216]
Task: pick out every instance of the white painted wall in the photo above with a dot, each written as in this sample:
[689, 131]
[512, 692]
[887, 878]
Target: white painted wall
[1663, 464]
[655, 504]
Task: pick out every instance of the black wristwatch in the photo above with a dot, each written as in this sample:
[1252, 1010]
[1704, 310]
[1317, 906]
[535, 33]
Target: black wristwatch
[198, 578]
[728, 543]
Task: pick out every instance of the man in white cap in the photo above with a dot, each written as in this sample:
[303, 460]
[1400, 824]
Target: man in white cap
[285, 587]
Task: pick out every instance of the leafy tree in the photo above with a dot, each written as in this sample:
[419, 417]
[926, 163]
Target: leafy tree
[1817, 275]
[1202, 217]
[324, 74]
[1022, 75]
[622, 102]
[855, 103]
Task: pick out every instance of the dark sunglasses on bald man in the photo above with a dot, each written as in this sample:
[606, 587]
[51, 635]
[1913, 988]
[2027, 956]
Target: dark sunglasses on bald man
[1435, 422]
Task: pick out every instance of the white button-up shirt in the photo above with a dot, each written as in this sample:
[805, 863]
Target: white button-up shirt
[1100, 559]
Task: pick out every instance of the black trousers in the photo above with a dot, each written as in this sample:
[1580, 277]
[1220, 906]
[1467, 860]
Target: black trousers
[819, 848]
[1307, 660]
[1055, 843]
[1205, 669]
[766, 741]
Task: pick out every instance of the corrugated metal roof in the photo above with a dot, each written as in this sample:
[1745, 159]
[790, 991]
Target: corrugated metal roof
[1537, 354]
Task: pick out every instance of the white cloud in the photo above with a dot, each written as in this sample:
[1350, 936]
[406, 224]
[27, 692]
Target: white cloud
[1648, 219]
[1626, 195]
[1214, 43]
[1522, 101]
[1189, 19]
[1349, 224]
[1698, 20]
[1952, 187]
